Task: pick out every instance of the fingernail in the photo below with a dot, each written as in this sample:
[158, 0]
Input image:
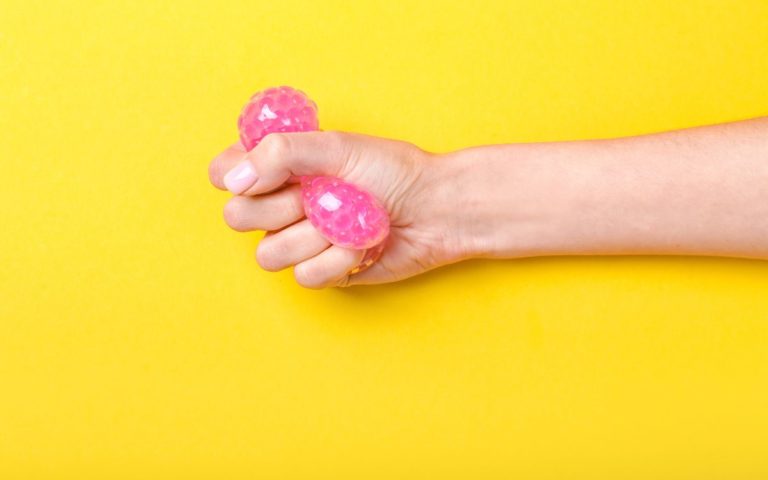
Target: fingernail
[240, 178]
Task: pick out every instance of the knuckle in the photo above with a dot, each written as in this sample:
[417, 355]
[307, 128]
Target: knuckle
[345, 281]
[334, 137]
[275, 145]
[339, 145]
[335, 141]
[233, 214]
[270, 255]
[308, 276]
[294, 204]
[214, 173]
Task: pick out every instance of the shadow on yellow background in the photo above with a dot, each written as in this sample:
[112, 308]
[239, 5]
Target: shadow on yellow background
[139, 339]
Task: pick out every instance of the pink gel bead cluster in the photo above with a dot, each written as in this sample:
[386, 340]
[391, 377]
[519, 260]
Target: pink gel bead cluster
[344, 214]
[279, 109]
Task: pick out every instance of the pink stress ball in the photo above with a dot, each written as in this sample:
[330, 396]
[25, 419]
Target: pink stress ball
[344, 214]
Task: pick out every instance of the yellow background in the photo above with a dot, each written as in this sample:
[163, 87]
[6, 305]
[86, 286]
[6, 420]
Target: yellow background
[139, 339]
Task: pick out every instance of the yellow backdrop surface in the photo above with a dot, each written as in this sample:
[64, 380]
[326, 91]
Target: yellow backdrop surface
[139, 338]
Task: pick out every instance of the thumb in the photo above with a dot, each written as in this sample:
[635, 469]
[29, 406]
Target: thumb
[280, 155]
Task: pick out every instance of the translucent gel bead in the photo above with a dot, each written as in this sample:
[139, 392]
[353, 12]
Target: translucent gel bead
[344, 214]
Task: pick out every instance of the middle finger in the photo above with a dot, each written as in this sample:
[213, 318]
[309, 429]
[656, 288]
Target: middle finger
[271, 211]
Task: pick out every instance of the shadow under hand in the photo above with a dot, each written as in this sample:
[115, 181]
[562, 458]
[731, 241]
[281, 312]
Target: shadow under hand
[483, 280]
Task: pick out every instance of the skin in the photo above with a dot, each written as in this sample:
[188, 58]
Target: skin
[698, 191]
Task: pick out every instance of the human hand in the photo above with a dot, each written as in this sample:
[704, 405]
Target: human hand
[406, 179]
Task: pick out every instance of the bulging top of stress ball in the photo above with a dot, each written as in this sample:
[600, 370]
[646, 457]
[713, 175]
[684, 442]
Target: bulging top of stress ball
[278, 109]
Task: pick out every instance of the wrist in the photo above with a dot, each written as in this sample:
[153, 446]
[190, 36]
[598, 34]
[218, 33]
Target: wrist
[504, 201]
[449, 198]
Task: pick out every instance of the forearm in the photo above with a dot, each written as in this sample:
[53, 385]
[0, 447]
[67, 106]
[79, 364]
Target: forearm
[701, 191]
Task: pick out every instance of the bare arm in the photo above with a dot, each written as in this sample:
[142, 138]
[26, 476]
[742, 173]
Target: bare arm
[699, 191]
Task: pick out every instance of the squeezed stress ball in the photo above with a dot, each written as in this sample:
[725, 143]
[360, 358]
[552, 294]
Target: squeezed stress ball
[344, 214]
